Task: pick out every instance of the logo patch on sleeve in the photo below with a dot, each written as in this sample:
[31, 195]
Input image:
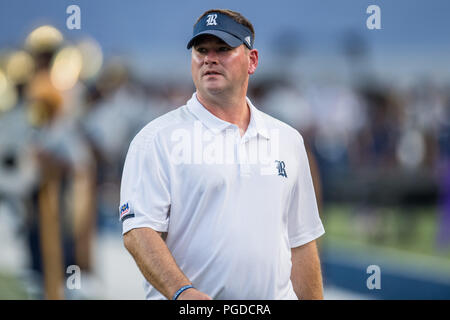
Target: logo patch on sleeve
[125, 212]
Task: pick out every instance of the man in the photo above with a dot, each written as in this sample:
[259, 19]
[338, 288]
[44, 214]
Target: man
[239, 223]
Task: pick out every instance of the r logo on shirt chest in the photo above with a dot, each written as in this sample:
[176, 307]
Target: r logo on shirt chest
[281, 167]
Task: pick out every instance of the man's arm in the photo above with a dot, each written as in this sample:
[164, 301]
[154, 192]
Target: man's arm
[306, 275]
[158, 265]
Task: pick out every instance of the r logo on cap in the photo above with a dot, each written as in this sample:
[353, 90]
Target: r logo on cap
[211, 21]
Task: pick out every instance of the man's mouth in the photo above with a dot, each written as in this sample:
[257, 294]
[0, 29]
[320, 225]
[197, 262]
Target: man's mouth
[209, 73]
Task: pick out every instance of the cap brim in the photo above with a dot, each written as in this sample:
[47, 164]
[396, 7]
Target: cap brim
[229, 39]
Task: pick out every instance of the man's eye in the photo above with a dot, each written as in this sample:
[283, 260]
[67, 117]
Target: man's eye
[224, 49]
[201, 50]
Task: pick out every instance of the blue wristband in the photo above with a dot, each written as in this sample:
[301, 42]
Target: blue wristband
[175, 296]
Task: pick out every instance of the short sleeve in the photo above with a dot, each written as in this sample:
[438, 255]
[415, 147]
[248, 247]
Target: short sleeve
[144, 190]
[304, 224]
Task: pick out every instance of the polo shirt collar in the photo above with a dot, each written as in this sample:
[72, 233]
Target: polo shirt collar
[256, 125]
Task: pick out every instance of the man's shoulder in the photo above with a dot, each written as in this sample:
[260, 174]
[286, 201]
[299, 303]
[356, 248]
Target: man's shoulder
[276, 124]
[160, 125]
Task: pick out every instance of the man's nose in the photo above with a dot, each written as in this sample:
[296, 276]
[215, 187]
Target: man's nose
[211, 57]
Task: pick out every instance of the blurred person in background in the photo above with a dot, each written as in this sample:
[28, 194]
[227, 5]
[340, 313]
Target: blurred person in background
[443, 174]
[60, 215]
[39, 102]
[19, 175]
[117, 108]
[18, 172]
[239, 231]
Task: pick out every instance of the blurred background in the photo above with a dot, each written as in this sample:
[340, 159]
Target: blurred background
[372, 105]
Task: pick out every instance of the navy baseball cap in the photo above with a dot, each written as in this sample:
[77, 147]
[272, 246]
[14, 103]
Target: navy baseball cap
[223, 27]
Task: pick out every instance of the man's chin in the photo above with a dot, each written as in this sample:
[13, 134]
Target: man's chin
[214, 89]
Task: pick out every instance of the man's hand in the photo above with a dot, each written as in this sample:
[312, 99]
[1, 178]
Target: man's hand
[193, 294]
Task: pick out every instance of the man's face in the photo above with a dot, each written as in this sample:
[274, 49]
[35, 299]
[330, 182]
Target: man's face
[216, 67]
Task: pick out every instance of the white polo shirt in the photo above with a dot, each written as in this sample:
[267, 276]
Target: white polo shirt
[232, 206]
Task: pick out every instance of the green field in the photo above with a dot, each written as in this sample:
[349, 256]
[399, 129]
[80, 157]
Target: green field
[11, 288]
[392, 233]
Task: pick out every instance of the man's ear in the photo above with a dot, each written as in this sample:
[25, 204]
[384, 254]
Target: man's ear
[253, 58]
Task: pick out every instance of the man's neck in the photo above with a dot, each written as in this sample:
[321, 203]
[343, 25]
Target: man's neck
[233, 110]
